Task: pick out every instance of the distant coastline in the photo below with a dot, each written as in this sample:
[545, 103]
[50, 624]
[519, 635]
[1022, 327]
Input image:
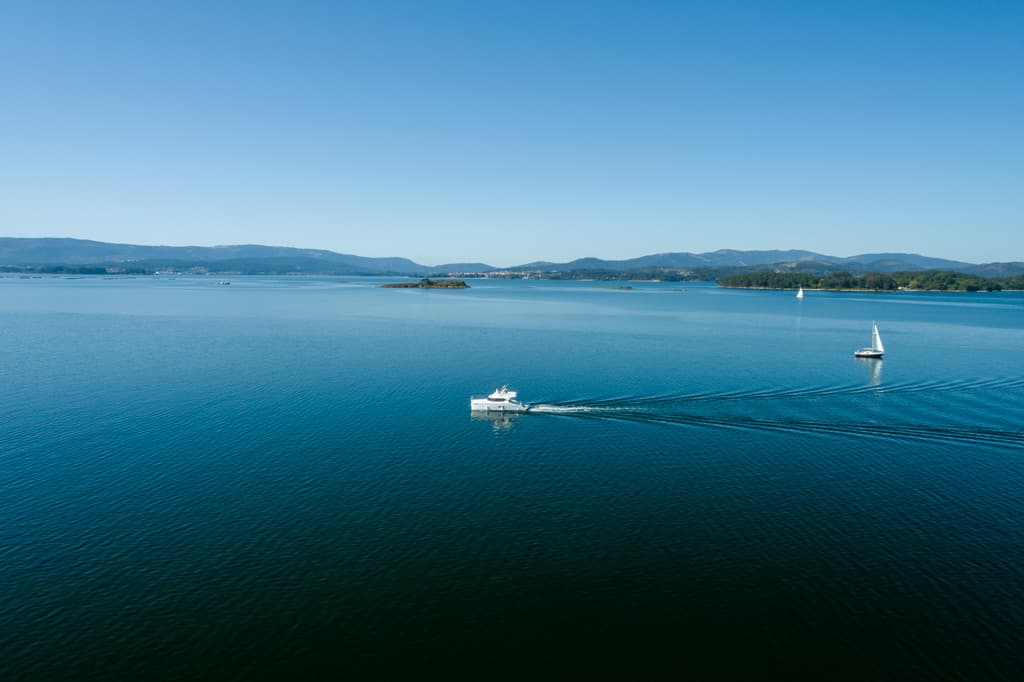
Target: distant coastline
[920, 281]
[48, 255]
[880, 291]
[926, 280]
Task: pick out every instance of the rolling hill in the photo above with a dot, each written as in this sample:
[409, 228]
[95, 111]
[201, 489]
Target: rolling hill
[261, 259]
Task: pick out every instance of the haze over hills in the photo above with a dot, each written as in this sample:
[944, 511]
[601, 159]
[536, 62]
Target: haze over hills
[259, 259]
[883, 262]
[63, 251]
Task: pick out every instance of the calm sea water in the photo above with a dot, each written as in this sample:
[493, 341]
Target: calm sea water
[281, 477]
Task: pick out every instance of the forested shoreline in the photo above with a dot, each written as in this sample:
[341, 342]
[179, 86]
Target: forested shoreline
[925, 280]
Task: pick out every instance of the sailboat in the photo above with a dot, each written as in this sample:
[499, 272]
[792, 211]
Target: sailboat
[876, 349]
[800, 294]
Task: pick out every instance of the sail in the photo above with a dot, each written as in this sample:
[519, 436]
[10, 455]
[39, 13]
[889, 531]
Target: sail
[876, 338]
[800, 294]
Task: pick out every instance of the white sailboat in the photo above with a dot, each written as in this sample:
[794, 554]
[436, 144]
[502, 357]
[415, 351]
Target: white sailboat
[800, 294]
[877, 349]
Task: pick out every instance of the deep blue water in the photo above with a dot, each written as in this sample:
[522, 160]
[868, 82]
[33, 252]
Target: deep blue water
[282, 477]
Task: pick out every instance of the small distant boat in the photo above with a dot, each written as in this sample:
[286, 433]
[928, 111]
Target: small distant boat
[800, 294]
[224, 282]
[876, 349]
[502, 400]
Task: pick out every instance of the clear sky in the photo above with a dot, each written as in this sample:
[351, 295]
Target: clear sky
[509, 132]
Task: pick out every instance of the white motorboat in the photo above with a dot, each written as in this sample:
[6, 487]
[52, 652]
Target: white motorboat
[502, 400]
[876, 350]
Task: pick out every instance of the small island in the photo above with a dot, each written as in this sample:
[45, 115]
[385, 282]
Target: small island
[427, 283]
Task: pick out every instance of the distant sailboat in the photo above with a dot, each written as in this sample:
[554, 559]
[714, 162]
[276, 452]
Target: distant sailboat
[800, 294]
[876, 349]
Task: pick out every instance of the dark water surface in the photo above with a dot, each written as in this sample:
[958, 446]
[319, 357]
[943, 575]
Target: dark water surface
[282, 478]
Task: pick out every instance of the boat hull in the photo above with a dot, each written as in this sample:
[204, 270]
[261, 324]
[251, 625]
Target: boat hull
[867, 354]
[487, 405]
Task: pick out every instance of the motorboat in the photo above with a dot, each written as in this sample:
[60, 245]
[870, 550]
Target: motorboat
[501, 400]
[876, 350]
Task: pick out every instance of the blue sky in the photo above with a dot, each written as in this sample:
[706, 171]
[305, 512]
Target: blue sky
[509, 132]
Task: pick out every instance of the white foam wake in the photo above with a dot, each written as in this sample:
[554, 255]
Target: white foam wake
[561, 409]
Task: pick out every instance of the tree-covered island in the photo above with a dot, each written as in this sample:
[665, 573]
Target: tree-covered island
[427, 283]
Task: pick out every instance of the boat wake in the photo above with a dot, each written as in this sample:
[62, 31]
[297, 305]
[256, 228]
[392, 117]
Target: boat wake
[787, 393]
[863, 429]
[564, 409]
[691, 409]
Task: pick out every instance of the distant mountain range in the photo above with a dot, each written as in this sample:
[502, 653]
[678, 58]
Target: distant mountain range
[49, 251]
[258, 259]
[729, 258]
